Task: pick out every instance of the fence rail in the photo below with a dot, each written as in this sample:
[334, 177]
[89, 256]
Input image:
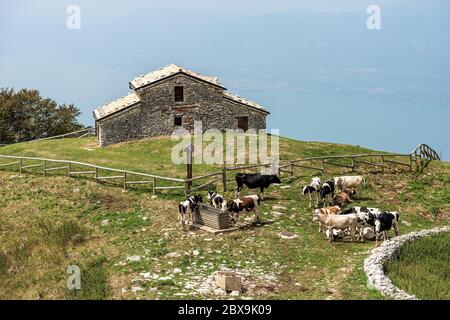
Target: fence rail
[128, 178]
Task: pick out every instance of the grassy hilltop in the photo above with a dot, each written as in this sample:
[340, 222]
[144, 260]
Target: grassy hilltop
[129, 244]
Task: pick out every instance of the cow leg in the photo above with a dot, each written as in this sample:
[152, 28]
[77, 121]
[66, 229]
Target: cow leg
[237, 193]
[330, 234]
[310, 199]
[396, 229]
[262, 193]
[256, 215]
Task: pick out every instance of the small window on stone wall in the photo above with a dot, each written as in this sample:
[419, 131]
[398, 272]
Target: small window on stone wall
[179, 94]
[178, 121]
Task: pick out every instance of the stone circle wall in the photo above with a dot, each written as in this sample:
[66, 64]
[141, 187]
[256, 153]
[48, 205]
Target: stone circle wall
[374, 264]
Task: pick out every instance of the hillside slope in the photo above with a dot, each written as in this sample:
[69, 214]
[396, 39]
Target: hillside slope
[130, 245]
[153, 155]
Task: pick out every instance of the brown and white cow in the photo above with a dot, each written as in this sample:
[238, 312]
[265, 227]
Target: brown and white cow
[247, 203]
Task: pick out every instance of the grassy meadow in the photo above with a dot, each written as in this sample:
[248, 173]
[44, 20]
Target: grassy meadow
[129, 244]
[422, 268]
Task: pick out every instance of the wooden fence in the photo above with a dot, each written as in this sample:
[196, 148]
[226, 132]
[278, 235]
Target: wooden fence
[127, 178]
[99, 173]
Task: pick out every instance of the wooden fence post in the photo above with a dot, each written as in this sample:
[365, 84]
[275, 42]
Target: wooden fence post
[292, 169]
[154, 186]
[353, 164]
[323, 166]
[20, 165]
[224, 178]
[410, 163]
[69, 169]
[124, 181]
[96, 175]
[186, 189]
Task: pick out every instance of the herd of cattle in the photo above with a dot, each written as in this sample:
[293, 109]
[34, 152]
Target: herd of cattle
[334, 194]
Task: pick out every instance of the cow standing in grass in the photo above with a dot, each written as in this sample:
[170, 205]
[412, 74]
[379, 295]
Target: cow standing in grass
[247, 203]
[345, 182]
[187, 207]
[313, 187]
[254, 181]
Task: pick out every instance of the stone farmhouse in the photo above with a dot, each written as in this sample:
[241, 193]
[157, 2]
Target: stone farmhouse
[173, 97]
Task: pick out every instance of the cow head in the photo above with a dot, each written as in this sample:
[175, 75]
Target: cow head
[316, 213]
[232, 206]
[198, 199]
[274, 179]
[210, 193]
[350, 191]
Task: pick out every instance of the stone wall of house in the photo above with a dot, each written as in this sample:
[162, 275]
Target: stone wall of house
[155, 114]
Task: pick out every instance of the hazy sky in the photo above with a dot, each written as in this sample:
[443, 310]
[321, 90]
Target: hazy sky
[314, 64]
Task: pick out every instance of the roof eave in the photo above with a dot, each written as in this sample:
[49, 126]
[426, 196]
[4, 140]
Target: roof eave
[248, 106]
[174, 74]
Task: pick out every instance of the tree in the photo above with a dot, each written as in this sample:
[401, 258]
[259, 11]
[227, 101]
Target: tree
[25, 115]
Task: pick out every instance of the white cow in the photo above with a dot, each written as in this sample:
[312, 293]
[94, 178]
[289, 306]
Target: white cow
[337, 222]
[345, 182]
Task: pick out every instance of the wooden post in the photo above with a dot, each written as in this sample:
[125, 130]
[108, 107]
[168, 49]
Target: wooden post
[154, 186]
[45, 168]
[186, 189]
[410, 163]
[20, 165]
[353, 164]
[224, 178]
[323, 166]
[96, 175]
[124, 181]
[189, 154]
[292, 170]
[382, 164]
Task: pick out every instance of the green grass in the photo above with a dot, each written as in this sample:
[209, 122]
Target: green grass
[422, 268]
[49, 223]
[154, 155]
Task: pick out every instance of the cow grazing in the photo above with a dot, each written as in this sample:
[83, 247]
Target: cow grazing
[345, 182]
[383, 224]
[327, 210]
[313, 187]
[188, 207]
[215, 199]
[327, 191]
[254, 181]
[247, 203]
[343, 198]
[337, 222]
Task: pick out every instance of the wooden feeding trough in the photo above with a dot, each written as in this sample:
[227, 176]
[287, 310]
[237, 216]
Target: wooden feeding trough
[212, 220]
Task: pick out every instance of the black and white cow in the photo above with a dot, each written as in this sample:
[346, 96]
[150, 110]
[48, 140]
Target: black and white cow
[254, 181]
[215, 199]
[188, 207]
[313, 187]
[383, 224]
[327, 192]
[366, 218]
